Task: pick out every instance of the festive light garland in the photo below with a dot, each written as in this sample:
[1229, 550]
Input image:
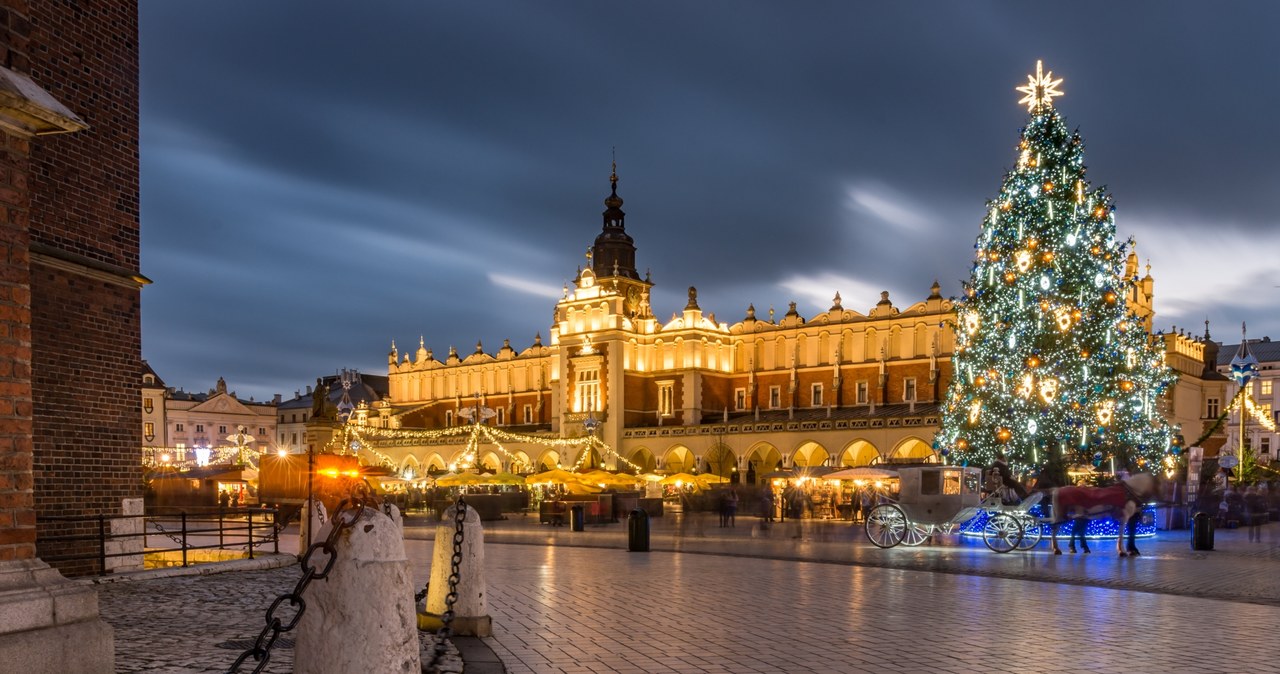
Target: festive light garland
[478, 434]
[1051, 362]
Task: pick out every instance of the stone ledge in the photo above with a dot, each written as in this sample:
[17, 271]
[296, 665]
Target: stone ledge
[267, 561]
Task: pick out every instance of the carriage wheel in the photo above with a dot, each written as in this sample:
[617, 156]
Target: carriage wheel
[916, 534]
[1002, 533]
[886, 525]
[1031, 533]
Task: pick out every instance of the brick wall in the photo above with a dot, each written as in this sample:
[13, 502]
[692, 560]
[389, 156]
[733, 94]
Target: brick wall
[86, 333]
[17, 517]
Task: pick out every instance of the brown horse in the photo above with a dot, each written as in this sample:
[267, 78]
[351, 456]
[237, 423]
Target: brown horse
[1121, 501]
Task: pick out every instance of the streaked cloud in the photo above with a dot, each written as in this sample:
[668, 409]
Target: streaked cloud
[525, 286]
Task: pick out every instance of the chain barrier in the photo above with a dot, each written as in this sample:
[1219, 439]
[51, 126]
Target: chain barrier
[260, 651]
[446, 618]
[159, 527]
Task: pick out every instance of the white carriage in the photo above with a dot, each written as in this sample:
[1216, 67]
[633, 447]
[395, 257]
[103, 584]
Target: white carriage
[938, 499]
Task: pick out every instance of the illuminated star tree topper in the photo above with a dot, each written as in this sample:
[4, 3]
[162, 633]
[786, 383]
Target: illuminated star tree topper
[1040, 89]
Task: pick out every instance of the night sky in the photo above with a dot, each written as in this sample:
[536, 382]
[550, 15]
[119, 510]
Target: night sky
[320, 178]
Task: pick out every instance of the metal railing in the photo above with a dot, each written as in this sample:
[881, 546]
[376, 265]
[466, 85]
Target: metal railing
[177, 530]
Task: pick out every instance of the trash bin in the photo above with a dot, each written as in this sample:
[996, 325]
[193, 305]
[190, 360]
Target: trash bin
[1202, 532]
[638, 531]
[577, 517]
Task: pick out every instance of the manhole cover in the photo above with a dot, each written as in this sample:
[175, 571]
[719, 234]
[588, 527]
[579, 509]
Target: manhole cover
[246, 644]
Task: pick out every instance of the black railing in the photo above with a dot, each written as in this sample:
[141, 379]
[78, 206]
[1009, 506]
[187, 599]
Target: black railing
[174, 529]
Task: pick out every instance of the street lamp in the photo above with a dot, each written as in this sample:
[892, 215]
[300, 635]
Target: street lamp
[590, 424]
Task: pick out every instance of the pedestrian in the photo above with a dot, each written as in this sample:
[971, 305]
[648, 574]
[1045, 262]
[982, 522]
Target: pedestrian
[724, 509]
[1255, 511]
[766, 506]
[224, 499]
[235, 498]
[731, 506]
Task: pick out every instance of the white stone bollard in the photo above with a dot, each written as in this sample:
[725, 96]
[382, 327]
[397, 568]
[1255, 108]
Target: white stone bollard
[360, 618]
[313, 518]
[471, 610]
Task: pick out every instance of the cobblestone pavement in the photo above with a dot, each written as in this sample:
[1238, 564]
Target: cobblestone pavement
[577, 610]
[1236, 569]
[202, 623]
[756, 602]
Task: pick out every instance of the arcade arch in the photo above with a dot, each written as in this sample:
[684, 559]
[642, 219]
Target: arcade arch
[809, 454]
[678, 459]
[913, 449]
[643, 458]
[859, 453]
[764, 458]
[721, 460]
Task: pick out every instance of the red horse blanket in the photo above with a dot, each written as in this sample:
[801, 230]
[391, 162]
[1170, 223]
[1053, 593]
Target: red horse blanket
[1081, 500]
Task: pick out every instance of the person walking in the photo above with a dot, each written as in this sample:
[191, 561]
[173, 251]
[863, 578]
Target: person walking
[731, 506]
[766, 506]
[1255, 511]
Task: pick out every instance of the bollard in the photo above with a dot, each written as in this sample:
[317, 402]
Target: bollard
[313, 518]
[1202, 532]
[361, 617]
[471, 610]
[577, 517]
[638, 531]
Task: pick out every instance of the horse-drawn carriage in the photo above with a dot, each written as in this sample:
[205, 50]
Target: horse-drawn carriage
[938, 499]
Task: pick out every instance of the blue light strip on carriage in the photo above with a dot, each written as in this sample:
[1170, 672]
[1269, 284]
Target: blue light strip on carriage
[1096, 529]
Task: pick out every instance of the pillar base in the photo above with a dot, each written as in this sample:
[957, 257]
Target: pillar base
[49, 625]
[461, 626]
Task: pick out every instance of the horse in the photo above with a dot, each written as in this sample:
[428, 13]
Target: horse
[1122, 501]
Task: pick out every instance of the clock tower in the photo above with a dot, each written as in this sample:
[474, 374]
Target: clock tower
[613, 256]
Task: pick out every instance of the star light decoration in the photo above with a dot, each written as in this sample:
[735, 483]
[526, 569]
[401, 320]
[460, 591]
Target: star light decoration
[1040, 89]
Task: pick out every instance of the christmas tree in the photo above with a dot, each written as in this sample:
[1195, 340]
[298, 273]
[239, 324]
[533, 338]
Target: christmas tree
[1051, 364]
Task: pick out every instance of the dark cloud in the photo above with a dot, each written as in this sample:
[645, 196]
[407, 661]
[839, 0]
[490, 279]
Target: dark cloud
[318, 181]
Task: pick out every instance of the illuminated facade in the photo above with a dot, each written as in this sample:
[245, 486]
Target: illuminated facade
[843, 387]
[181, 428]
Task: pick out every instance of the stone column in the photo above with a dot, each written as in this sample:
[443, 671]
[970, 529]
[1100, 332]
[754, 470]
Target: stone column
[361, 618]
[47, 624]
[471, 610]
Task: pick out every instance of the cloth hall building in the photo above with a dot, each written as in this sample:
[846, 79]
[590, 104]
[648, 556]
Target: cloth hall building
[842, 388]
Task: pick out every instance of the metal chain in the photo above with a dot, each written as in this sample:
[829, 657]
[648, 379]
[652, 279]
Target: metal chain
[445, 631]
[166, 532]
[260, 651]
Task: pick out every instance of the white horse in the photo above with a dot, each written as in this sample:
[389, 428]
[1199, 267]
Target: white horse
[1121, 501]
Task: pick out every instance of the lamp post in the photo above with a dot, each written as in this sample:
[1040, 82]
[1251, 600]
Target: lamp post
[1244, 367]
[590, 424]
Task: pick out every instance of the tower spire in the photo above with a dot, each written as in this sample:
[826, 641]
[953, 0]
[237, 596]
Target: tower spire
[614, 252]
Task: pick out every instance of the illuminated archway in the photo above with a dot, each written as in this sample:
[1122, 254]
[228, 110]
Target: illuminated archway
[587, 458]
[763, 458]
[643, 458]
[489, 463]
[549, 459]
[435, 464]
[520, 462]
[720, 460]
[859, 453]
[409, 468]
[678, 459]
[913, 449]
[809, 454]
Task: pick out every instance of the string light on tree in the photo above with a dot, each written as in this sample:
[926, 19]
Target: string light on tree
[1058, 362]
